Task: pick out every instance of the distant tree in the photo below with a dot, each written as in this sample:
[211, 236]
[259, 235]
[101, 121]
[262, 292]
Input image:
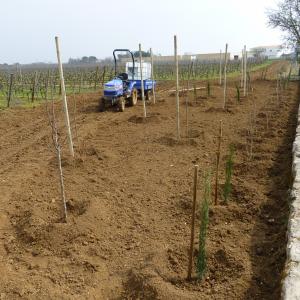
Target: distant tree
[107, 60]
[73, 61]
[85, 59]
[92, 59]
[144, 54]
[287, 18]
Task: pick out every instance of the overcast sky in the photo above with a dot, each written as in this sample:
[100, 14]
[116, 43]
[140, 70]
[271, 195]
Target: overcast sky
[96, 27]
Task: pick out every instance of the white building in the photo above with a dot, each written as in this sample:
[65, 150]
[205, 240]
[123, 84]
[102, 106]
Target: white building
[271, 52]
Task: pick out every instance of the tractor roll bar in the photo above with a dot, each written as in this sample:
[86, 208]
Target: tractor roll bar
[123, 50]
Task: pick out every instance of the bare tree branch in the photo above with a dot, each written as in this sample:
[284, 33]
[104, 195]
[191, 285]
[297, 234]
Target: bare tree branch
[287, 18]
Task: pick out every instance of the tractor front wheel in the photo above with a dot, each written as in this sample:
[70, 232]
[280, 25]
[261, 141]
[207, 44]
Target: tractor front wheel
[133, 98]
[121, 104]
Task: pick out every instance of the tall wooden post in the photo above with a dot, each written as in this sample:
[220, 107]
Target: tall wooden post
[9, 95]
[103, 76]
[34, 86]
[142, 81]
[80, 82]
[242, 69]
[21, 79]
[245, 71]
[177, 86]
[96, 77]
[152, 76]
[64, 97]
[47, 84]
[225, 77]
[220, 70]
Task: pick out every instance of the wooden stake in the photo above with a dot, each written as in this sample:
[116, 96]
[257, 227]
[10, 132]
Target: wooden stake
[34, 86]
[191, 252]
[245, 71]
[277, 89]
[80, 82]
[47, 84]
[96, 77]
[142, 82]
[64, 97]
[218, 162]
[103, 76]
[9, 96]
[177, 86]
[220, 70]
[242, 69]
[187, 100]
[152, 76]
[225, 77]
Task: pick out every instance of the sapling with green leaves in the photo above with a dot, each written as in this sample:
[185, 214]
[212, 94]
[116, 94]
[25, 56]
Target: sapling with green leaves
[201, 260]
[228, 174]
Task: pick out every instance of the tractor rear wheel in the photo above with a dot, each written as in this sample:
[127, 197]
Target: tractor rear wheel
[133, 98]
[102, 104]
[121, 104]
[149, 95]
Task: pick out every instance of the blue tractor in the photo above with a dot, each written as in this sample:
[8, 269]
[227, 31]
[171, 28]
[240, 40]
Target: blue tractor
[125, 88]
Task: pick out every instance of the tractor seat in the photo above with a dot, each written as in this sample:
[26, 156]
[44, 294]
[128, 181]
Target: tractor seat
[123, 76]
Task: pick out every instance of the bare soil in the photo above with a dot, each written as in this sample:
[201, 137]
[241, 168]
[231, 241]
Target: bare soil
[129, 192]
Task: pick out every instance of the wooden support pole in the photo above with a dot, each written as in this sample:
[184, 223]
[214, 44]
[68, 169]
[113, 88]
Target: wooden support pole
[34, 86]
[80, 82]
[64, 97]
[142, 81]
[177, 87]
[47, 84]
[96, 77]
[103, 76]
[245, 71]
[187, 99]
[152, 76]
[242, 69]
[277, 89]
[220, 69]
[9, 95]
[191, 250]
[218, 162]
[21, 79]
[225, 77]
